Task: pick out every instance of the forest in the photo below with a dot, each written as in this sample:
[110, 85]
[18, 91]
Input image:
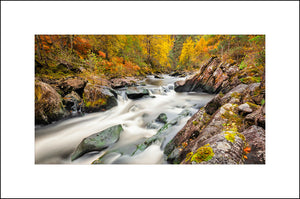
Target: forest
[138, 55]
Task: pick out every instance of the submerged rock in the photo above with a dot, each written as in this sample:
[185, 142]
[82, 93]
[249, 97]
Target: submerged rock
[161, 133]
[98, 141]
[48, 104]
[162, 118]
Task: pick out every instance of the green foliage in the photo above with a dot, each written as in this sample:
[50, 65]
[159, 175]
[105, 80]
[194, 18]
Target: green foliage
[262, 102]
[242, 65]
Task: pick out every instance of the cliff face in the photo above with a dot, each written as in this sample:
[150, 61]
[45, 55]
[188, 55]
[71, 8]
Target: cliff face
[230, 128]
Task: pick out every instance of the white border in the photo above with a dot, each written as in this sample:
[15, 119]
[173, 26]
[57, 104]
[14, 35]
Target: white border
[21, 20]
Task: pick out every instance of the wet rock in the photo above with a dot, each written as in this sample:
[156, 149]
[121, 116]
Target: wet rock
[48, 104]
[73, 102]
[255, 136]
[162, 118]
[98, 98]
[159, 137]
[98, 141]
[158, 77]
[135, 93]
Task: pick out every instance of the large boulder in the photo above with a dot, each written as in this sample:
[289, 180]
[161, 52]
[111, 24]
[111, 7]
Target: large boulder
[135, 92]
[98, 98]
[48, 104]
[98, 141]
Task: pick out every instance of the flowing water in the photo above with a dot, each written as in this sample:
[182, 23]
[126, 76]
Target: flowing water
[54, 143]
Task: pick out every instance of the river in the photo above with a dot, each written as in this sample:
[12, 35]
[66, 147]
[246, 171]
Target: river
[54, 143]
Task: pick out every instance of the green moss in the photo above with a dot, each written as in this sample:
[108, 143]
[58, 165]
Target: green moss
[195, 122]
[236, 95]
[250, 79]
[252, 106]
[188, 156]
[232, 117]
[230, 136]
[204, 153]
[221, 94]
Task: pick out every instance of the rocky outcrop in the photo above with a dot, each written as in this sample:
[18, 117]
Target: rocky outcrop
[98, 98]
[213, 77]
[217, 133]
[48, 104]
[98, 141]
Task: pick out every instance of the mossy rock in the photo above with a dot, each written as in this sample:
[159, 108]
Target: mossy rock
[48, 104]
[162, 118]
[98, 141]
[98, 98]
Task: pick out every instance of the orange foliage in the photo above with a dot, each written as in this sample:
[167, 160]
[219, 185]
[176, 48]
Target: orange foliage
[101, 54]
[247, 149]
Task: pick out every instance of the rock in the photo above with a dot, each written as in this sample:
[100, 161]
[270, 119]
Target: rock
[181, 86]
[162, 118]
[135, 93]
[48, 104]
[213, 105]
[72, 84]
[158, 77]
[122, 82]
[256, 118]
[98, 98]
[213, 76]
[73, 102]
[245, 109]
[161, 133]
[200, 129]
[255, 136]
[98, 141]
[177, 73]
